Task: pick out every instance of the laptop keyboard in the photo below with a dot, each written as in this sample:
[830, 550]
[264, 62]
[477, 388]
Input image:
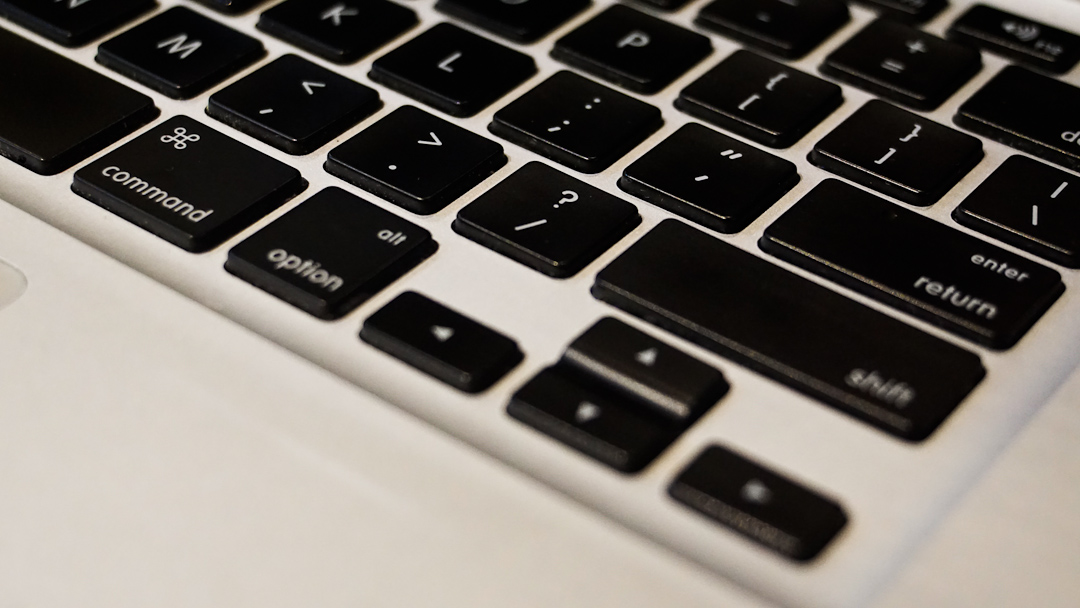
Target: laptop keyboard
[561, 137]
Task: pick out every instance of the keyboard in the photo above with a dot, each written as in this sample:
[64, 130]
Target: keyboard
[768, 283]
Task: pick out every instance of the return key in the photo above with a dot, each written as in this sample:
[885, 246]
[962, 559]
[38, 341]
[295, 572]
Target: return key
[936, 273]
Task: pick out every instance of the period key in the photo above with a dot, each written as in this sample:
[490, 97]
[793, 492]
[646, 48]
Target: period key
[330, 253]
[937, 273]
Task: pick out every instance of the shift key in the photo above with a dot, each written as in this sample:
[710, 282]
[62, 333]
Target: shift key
[939, 274]
[858, 360]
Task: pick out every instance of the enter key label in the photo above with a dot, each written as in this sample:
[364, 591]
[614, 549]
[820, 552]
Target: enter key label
[899, 257]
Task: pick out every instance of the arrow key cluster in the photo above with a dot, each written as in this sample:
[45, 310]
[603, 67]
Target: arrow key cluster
[441, 342]
[618, 395]
[293, 104]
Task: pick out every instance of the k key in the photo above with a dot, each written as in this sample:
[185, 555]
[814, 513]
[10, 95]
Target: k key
[179, 53]
[337, 31]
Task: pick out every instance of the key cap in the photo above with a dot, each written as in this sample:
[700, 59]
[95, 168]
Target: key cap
[415, 160]
[903, 64]
[341, 31]
[632, 49]
[293, 105]
[710, 178]
[760, 99]
[667, 380]
[520, 21]
[759, 503]
[909, 11]
[330, 254]
[862, 362]
[576, 122]
[452, 70]
[780, 27]
[230, 6]
[188, 184]
[896, 256]
[1031, 206]
[547, 220]
[72, 22]
[441, 342]
[593, 421]
[898, 153]
[179, 53]
[48, 132]
[1028, 111]
[1035, 44]
[666, 5]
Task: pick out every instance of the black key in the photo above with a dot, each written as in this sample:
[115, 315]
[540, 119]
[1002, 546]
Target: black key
[188, 183]
[759, 503]
[72, 22]
[415, 160]
[577, 122]
[632, 49]
[179, 53]
[1017, 38]
[817, 341]
[781, 27]
[904, 64]
[441, 342]
[338, 31]
[760, 99]
[330, 253]
[938, 274]
[230, 6]
[597, 422]
[1029, 112]
[710, 178]
[520, 21]
[293, 104]
[1031, 206]
[547, 220]
[666, 5]
[898, 153]
[664, 378]
[910, 11]
[453, 70]
[47, 130]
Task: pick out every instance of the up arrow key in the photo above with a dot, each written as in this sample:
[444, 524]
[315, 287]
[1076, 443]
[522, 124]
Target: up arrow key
[311, 86]
[435, 141]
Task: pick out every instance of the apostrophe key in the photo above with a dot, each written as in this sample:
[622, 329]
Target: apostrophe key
[341, 32]
[903, 64]
[547, 220]
[1036, 44]
[416, 160]
[577, 122]
[72, 22]
[293, 104]
[441, 342]
[188, 183]
[330, 253]
[659, 376]
[759, 503]
[874, 367]
[898, 153]
[46, 132]
[760, 99]
[1029, 205]
[1028, 111]
[519, 21]
[632, 49]
[592, 419]
[936, 273]
[781, 27]
[453, 70]
[913, 11]
[710, 178]
[179, 53]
